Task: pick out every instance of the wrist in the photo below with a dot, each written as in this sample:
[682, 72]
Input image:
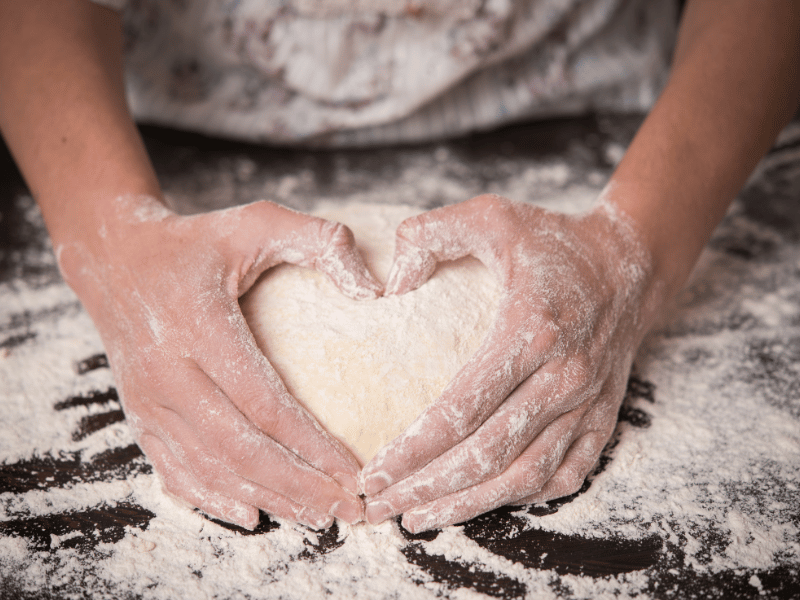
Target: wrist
[94, 232]
[631, 270]
[670, 228]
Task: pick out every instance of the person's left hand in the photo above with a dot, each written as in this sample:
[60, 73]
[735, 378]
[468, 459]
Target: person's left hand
[527, 417]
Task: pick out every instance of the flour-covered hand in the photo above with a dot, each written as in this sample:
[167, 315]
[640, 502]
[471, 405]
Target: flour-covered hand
[527, 417]
[203, 402]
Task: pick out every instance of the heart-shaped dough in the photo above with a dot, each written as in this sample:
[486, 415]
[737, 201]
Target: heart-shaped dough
[366, 369]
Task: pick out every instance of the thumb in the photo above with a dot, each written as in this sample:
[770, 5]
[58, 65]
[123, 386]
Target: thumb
[266, 234]
[446, 233]
[339, 258]
[412, 266]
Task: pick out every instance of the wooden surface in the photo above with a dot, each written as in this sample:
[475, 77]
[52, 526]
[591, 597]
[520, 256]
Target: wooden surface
[187, 160]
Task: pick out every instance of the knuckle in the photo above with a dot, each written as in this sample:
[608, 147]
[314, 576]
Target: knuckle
[459, 419]
[498, 464]
[409, 231]
[499, 210]
[597, 428]
[315, 228]
[335, 235]
[202, 468]
[518, 484]
[227, 471]
[526, 475]
[580, 378]
[581, 366]
[336, 241]
[490, 202]
[483, 465]
[535, 325]
[223, 451]
[219, 224]
[151, 365]
[263, 415]
[260, 209]
[208, 478]
[237, 457]
[547, 339]
[265, 206]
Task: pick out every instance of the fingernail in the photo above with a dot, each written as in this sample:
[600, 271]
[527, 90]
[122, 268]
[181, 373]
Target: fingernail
[378, 512]
[347, 481]
[417, 522]
[316, 520]
[367, 292]
[349, 511]
[391, 282]
[375, 483]
[374, 286]
[396, 281]
[244, 517]
[248, 525]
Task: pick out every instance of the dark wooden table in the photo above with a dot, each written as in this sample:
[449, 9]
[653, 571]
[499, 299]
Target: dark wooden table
[213, 171]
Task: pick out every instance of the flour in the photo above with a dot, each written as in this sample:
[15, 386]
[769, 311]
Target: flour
[713, 481]
[366, 368]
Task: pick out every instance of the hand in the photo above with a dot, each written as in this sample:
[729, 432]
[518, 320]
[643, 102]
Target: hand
[203, 402]
[527, 416]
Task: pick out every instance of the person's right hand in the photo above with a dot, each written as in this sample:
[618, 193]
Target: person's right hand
[204, 404]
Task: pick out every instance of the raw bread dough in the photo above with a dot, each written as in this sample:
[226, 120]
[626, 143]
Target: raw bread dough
[368, 368]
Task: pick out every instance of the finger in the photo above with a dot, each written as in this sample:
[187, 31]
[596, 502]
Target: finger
[180, 483]
[487, 452]
[477, 227]
[211, 477]
[247, 451]
[267, 234]
[508, 355]
[426, 239]
[527, 473]
[597, 427]
[579, 462]
[255, 388]
[341, 261]
[523, 336]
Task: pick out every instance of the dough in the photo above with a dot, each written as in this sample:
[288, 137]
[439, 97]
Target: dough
[367, 369]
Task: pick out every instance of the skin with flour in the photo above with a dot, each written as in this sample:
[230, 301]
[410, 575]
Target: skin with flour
[558, 331]
[204, 402]
[733, 85]
[367, 368]
[200, 453]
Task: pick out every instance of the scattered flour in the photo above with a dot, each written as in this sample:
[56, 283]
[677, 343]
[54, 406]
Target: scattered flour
[716, 475]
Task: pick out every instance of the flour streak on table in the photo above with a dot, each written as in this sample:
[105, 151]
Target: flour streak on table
[697, 494]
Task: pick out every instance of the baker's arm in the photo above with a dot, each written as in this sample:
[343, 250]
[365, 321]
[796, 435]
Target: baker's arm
[527, 417]
[735, 82]
[201, 399]
[63, 111]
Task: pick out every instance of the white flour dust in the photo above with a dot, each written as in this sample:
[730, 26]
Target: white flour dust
[367, 368]
[709, 467]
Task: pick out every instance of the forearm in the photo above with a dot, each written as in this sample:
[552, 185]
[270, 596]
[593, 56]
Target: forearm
[63, 112]
[734, 85]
